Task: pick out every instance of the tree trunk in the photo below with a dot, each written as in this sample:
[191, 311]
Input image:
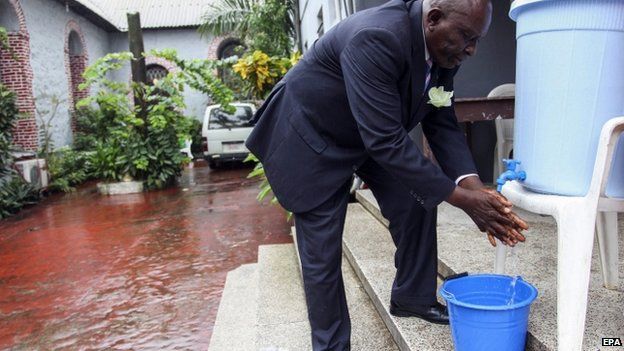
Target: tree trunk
[139, 72]
[135, 39]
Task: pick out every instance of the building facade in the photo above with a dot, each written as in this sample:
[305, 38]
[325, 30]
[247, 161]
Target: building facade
[53, 41]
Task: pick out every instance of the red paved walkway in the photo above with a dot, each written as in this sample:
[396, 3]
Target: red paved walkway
[142, 271]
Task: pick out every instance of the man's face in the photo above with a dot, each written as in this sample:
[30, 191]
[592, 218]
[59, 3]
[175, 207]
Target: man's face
[452, 37]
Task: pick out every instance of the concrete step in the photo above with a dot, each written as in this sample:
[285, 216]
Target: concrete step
[282, 312]
[461, 247]
[282, 317]
[369, 249]
[368, 330]
[235, 326]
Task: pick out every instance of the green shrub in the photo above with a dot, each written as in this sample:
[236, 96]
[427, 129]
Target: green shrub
[14, 191]
[91, 125]
[265, 25]
[67, 168]
[143, 141]
[196, 136]
[8, 116]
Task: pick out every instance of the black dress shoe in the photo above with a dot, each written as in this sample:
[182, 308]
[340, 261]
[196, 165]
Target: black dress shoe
[437, 313]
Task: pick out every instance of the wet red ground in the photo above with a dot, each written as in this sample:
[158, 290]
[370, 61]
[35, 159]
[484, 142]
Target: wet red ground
[143, 271]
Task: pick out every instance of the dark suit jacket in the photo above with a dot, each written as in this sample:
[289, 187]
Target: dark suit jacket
[355, 94]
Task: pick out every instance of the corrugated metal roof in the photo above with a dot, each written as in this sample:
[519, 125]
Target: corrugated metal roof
[154, 13]
[98, 7]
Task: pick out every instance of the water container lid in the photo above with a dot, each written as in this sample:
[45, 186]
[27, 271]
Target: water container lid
[516, 5]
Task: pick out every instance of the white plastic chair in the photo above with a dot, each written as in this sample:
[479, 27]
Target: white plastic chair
[504, 129]
[187, 148]
[575, 217]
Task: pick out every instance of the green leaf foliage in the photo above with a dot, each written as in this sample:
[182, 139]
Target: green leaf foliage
[196, 137]
[4, 39]
[265, 25]
[265, 187]
[199, 74]
[68, 168]
[259, 72]
[143, 141]
[8, 117]
[227, 16]
[4, 43]
[15, 193]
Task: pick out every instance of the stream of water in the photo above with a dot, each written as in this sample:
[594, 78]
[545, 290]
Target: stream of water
[512, 264]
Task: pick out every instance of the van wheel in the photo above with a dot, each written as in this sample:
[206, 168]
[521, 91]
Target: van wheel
[213, 164]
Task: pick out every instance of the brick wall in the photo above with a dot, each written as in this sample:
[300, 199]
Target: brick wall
[77, 65]
[214, 46]
[17, 75]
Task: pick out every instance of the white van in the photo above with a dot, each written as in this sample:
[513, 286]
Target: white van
[224, 134]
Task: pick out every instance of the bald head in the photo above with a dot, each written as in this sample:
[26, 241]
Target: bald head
[454, 27]
[462, 7]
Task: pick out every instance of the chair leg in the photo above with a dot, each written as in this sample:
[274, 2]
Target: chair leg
[607, 235]
[575, 242]
[501, 257]
[497, 169]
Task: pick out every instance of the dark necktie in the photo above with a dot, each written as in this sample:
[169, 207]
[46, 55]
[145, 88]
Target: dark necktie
[428, 76]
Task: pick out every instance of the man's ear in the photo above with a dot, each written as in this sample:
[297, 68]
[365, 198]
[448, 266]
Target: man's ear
[434, 17]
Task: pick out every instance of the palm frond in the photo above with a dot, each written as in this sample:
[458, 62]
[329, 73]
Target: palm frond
[227, 16]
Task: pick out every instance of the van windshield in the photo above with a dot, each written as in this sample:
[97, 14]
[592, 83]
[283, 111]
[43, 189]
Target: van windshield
[222, 120]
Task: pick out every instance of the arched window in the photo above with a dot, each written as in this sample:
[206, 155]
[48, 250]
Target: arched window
[229, 48]
[155, 71]
[75, 44]
[76, 63]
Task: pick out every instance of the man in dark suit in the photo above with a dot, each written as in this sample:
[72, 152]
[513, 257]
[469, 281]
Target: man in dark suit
[347, 107]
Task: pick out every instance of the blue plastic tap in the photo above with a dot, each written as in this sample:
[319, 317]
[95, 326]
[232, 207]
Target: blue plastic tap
[509, 174]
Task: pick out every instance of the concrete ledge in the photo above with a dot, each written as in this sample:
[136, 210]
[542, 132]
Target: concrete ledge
[281, 298]
[282, 314]
[461, 247]
[369, 248]
[120, 188]
[235, 326]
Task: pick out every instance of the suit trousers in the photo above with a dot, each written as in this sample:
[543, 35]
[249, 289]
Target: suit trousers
[319, 239]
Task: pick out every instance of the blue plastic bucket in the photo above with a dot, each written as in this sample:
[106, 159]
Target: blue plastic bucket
[482, 315]
[569, 82]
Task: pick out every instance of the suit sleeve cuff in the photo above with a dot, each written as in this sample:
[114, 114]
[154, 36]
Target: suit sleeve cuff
[460, 178]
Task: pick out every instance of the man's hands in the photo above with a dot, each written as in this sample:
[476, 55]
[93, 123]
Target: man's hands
[514, 232]
[490, 211]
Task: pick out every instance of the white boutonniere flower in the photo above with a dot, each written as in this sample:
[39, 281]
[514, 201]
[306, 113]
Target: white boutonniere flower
[440, 98]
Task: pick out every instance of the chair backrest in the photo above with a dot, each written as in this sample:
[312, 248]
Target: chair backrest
[188, 143]
[504, 90]
[187, 148]
[607, 143]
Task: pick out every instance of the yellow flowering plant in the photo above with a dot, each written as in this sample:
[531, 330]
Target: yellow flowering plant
[262, 71]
